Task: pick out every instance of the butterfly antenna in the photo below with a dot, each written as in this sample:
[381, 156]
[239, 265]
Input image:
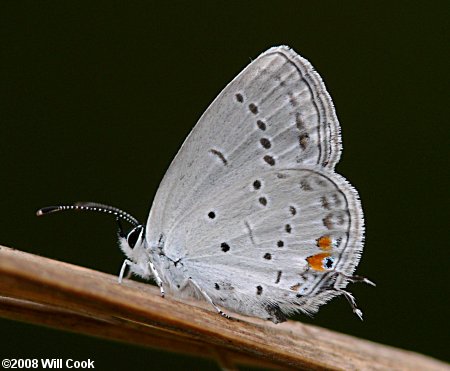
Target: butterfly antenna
[91, 206]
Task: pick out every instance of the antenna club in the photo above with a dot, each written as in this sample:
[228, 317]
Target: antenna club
[49, 209]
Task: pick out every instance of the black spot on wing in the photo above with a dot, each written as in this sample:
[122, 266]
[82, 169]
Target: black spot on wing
[267, 256]
[278, 277]
[253, 108]
[220, 155]
[265, 143]
[269, 159]
[261, 125]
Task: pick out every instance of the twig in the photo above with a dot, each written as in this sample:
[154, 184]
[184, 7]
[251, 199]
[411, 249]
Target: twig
[48, 292]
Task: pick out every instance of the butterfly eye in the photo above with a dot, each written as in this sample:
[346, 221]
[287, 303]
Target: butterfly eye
[134, 235]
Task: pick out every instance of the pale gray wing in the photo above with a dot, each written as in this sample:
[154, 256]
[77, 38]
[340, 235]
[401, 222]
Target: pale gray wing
[276, 114]
[285, 238]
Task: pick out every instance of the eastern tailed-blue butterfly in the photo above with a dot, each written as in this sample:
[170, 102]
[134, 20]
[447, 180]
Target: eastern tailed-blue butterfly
[251, 215]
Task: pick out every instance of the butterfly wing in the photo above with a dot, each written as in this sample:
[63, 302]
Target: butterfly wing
[251, 203]
[275, 114]
[254, 253]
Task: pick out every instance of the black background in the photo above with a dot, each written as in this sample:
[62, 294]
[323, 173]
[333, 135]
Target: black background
[96, 99]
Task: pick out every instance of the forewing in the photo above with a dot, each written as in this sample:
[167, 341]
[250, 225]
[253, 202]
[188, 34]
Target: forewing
[276, 114]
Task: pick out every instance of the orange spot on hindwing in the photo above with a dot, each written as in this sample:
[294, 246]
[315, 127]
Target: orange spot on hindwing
[321, 262]
[325, 243]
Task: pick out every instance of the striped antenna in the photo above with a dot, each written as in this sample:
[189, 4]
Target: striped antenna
[90, 206]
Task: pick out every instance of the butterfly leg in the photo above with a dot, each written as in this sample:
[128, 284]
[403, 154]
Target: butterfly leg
[349, 296]
[208, 299]
[358, 279]
[126, 263]
[352, 303]
[136, 269]
[157, 279]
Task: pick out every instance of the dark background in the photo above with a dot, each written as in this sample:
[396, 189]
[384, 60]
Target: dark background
[97, 98]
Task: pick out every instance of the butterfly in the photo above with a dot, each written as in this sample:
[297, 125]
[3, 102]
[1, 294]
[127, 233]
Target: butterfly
[251, 215]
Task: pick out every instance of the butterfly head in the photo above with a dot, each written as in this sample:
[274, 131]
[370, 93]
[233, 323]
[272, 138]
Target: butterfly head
[132, 244]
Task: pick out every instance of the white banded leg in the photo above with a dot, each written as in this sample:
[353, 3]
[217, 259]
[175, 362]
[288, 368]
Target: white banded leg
[355, 279]
[126, 263]
[349, 296]
[129, 263]
[208, 299]
[352, 302]
[157, 279]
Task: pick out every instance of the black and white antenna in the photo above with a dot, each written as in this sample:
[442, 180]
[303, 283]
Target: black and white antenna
[91, 206]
